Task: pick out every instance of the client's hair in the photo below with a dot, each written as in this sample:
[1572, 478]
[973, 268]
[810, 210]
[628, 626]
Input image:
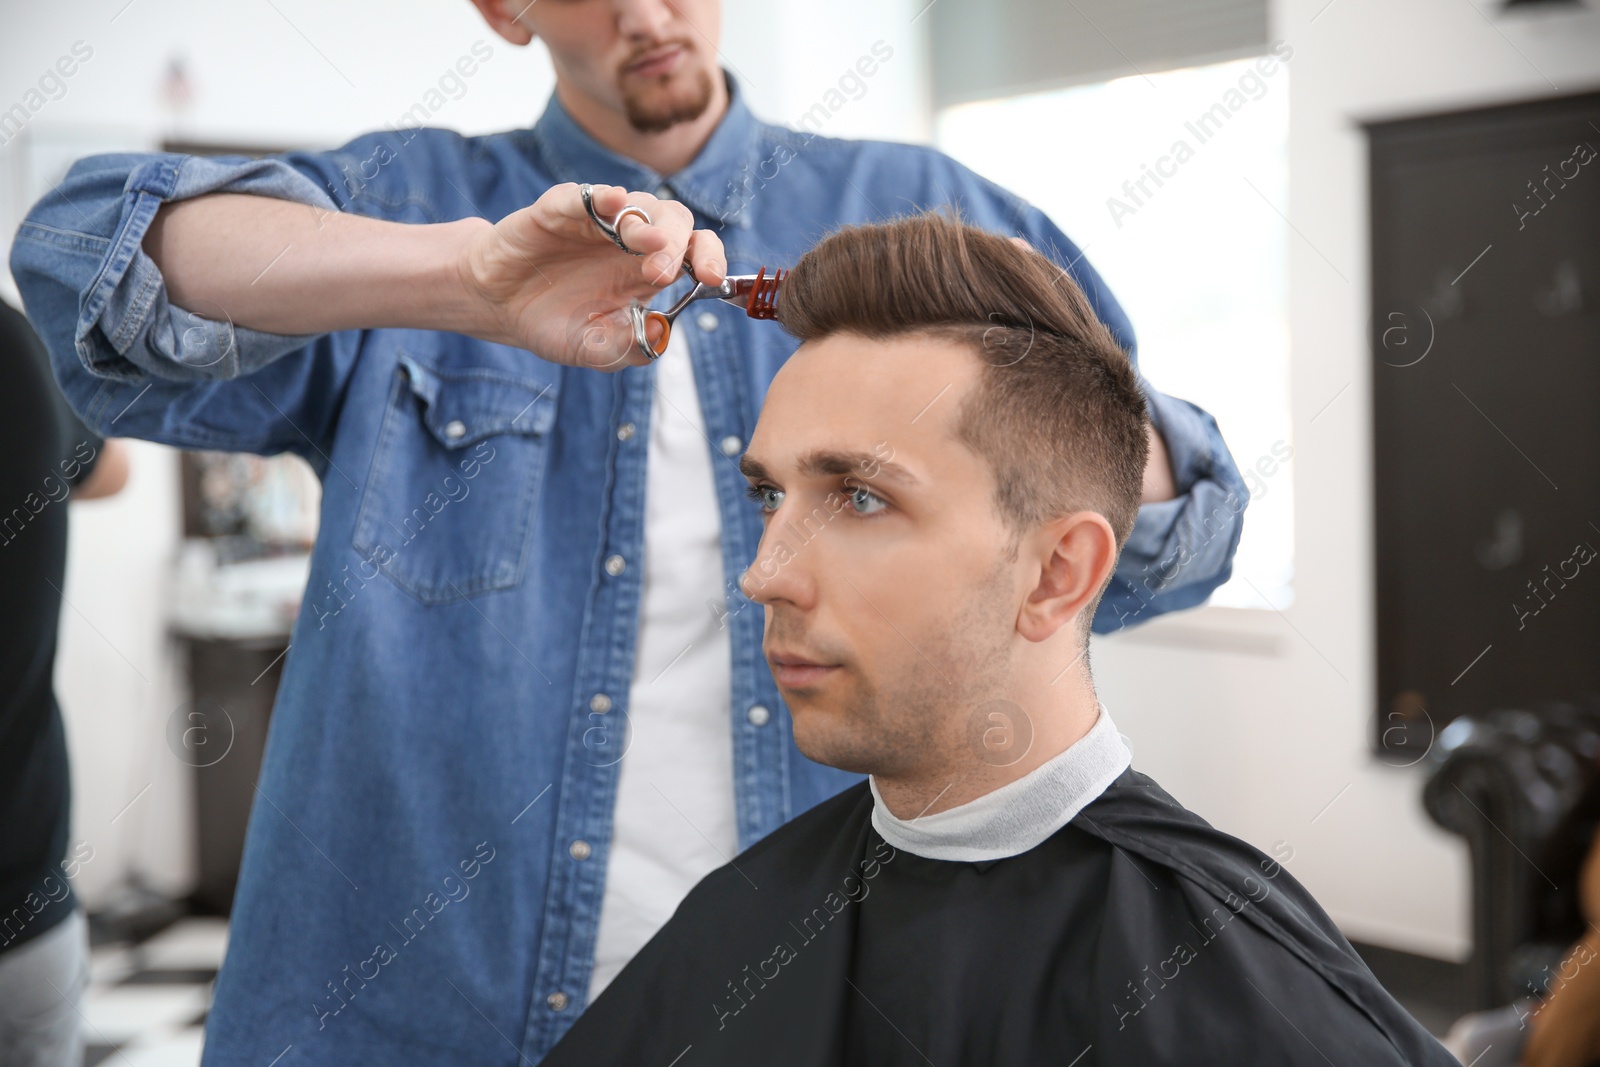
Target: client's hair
[1059, 413]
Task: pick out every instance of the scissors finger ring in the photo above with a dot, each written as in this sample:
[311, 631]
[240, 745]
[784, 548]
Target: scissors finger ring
[613, 228]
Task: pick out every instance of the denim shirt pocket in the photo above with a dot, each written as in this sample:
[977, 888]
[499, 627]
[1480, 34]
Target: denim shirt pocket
[456, 472]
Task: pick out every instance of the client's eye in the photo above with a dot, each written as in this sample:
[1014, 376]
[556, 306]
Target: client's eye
[767, 496]
[863, 501]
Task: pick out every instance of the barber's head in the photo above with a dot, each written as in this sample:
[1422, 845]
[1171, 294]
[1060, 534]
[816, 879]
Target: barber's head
[947, 467]
[654, 62]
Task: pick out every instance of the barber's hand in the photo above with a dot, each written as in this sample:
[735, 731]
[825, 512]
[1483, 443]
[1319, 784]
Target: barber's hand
[545, 278]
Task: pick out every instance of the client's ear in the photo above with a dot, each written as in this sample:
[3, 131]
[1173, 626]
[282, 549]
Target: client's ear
[1076, 554]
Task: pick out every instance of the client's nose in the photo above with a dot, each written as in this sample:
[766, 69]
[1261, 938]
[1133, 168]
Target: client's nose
[780, 570]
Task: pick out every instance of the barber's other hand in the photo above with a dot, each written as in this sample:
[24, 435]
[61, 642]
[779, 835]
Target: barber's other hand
[545, 278]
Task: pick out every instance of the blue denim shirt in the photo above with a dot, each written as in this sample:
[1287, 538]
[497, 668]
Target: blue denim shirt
[451, 709]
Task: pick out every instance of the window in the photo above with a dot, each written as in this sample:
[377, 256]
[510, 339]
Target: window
[1175, 186]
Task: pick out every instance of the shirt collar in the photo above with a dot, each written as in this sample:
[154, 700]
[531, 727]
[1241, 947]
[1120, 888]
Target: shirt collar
[1019, 815]
[710, 184]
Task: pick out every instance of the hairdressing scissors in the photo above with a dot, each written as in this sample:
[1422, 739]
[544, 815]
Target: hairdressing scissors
[756, 294]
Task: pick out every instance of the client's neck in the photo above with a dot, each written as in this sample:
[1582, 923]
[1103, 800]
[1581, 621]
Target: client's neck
[994, 745]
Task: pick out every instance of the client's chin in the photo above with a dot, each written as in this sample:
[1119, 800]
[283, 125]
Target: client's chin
[825, 735]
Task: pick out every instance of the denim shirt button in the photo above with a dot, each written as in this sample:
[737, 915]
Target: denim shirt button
[580, 850]
[625, 431]
[557, 1001]
[615, 565]
[759, 715]
[600, 703]
[706, 321]
[455, 429]
[730, 445]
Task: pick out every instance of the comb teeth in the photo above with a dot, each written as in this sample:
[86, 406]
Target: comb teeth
[763, 302]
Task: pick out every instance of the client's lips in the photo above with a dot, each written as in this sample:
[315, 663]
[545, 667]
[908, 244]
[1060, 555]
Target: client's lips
[794, 671]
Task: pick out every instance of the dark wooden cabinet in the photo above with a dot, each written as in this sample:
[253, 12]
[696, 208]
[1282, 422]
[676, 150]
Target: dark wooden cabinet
[1485, 340]
[234, 684]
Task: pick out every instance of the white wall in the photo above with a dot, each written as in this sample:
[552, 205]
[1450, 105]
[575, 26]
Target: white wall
[118, 681]
[788, 54]
[1260, 742]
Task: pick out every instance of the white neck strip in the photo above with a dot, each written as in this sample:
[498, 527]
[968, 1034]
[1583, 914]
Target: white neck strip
[1019, 815]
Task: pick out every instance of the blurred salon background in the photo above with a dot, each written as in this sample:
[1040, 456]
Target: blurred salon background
[1364, 235]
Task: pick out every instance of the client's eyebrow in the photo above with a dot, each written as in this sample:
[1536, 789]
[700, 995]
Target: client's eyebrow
[752, 469]
[815, 464]
[862, 464]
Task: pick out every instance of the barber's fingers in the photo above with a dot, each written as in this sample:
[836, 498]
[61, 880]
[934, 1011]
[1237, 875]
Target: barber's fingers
[663, 243]
[560, 213]
[561, 207]
[707, 257]
[672, 241]
[561, 210]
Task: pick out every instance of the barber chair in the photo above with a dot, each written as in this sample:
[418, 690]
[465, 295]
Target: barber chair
[1522, 785]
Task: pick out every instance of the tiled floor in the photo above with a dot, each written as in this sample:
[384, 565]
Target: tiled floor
[146, 1002]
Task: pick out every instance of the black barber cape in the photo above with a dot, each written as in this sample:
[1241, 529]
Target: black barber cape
[1137, 934]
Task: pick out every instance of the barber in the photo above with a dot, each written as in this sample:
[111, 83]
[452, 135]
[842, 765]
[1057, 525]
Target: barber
[525, 706]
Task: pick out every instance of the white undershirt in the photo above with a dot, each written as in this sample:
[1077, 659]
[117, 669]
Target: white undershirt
[1019, 815]
[674, 820]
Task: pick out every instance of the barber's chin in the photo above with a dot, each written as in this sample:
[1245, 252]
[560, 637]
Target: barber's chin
[655, 105]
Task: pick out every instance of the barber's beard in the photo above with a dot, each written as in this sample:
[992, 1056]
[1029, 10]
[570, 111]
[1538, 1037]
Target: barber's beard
[658, 105]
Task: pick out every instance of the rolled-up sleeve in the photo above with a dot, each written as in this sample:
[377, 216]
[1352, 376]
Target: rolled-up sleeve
[1180, 550]
[125, 327]
[132, 363]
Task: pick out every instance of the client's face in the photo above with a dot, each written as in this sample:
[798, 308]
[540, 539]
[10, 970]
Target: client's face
[891, 608]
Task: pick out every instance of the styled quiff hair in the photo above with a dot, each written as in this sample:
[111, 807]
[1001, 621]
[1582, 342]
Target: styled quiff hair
[1058, 413]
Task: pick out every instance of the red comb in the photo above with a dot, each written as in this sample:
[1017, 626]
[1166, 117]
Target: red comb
[763, 302]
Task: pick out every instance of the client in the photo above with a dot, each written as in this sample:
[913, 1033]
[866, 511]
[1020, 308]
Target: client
[948, 467]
